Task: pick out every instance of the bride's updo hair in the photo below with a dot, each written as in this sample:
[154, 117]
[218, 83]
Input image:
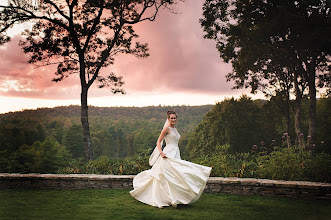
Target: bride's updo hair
[170, 113]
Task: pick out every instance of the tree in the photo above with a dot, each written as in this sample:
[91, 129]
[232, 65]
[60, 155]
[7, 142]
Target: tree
[279, 45]
[73, 141]
[236, 123]
[102, 142]
[324, 122]
[42, 157]
[81, 37]
[130, 141]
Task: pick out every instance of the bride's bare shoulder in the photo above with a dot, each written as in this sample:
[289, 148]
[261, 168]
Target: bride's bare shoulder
[166, 130]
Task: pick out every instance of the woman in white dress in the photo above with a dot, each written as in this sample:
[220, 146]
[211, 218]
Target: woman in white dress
[170, 181]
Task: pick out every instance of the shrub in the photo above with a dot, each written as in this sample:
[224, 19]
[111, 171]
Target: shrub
[283, 163]
[318, 168]
[229, 165]
[106, 165]
[41, 157]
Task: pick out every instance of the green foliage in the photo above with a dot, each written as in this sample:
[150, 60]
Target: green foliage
[318, 168]
[145, 138]
[123, 139]
[42, 157]
[116, 132]
[226, 164]
[106, 165]
[295, 163]
[324, 124]
[73, 141]
[18, 131]
[102, 141]
[4, 162]
[243, 123]
[283, 163]
[233, 122]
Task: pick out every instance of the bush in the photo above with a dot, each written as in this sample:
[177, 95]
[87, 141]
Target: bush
[41, 157]
[229, 165]
[293, 163]
[283, 163]
[318, 168]
[106, 165]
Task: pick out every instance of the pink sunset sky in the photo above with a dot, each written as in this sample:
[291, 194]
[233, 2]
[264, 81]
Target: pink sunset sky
[183, 69]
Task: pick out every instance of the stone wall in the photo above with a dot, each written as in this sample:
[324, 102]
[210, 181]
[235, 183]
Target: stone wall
[238, 186]
[266, 187]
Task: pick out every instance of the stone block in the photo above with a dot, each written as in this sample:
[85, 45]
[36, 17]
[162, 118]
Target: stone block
[117, 185]
[247, 188]
[214, 189]
[249, 182]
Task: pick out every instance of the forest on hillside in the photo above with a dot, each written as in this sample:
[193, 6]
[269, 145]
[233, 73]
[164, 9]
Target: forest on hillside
[235, 130]
[116, 132]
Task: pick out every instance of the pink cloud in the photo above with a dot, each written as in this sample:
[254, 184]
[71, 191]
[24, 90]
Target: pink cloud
[18, 78]
[181, 61]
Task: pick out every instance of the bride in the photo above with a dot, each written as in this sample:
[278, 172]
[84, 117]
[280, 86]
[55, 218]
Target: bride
[170, 181]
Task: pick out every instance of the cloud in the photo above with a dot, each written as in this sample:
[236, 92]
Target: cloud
[18, 78]
[181, 61]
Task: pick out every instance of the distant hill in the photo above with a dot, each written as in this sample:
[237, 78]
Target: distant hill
[115, 131]
[156, 112]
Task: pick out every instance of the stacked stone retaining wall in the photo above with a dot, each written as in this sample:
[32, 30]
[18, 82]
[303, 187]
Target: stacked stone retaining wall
[238, 186]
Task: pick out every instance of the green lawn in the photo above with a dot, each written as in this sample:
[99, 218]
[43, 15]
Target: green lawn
[118, 204]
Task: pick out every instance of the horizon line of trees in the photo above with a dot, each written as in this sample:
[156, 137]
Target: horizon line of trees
[240, 123]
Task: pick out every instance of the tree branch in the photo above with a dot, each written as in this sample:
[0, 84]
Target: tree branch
[146, 6]
[95, 23]
[57, 9]
[31, 15]
[104, 56]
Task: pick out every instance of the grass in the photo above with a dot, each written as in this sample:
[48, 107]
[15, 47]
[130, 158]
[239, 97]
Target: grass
[118, 204]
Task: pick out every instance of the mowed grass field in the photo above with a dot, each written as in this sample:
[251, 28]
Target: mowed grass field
[118, 204]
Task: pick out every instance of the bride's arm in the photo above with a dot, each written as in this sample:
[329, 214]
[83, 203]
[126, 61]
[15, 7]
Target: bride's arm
[164, 132]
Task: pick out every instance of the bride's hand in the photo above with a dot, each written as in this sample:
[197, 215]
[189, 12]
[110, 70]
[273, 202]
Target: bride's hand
[163, 155]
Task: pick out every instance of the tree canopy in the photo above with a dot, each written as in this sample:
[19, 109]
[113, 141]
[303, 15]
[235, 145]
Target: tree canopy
[81, 37]
[265, 38]
[277, 47]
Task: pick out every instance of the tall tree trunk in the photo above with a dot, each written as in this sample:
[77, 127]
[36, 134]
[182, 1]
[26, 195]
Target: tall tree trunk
[287, 112]
[85, 124]
[312, 104]
[297, 111]
[282, 100]
[287, 122]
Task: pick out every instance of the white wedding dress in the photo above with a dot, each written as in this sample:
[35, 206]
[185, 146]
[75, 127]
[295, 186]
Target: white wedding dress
[170, 181]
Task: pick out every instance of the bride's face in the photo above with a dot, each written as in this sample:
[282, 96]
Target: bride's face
[173, 119]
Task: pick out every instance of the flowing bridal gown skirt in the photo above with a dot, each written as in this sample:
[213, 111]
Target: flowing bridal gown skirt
[170, 181]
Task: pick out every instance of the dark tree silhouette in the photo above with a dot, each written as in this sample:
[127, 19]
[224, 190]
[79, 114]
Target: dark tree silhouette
[81, 37]
[282, 45]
